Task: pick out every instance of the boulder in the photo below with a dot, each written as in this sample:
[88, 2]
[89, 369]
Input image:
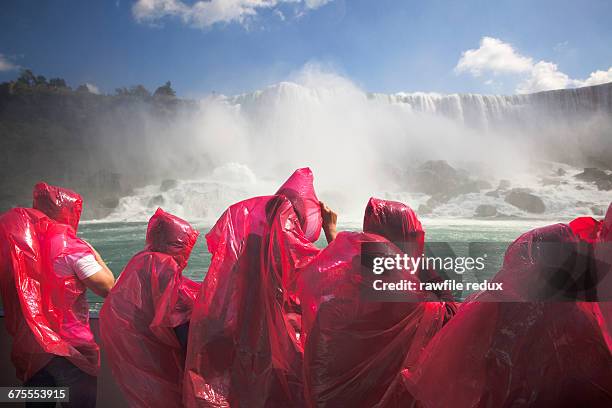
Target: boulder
[604, 185]
[167, 184]
[443, 182]
[504, 184]
[156, 201]
[600, 178]
[598, 210]
[424, 209]
[435, 177]
[485, 210]
[525, 200]
[546, 181]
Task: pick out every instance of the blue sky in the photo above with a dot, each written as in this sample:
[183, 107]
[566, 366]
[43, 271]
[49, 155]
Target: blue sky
[383, 46]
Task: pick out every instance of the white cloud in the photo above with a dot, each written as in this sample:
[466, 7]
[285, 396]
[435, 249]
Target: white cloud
[6, 64]
[497, 57]
[92, 88]
[544, 76]
[205, 13]
[314, 4]
[596, 78]
[493, 56]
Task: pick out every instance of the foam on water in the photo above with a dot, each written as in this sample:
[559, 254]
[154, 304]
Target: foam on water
[205, 200]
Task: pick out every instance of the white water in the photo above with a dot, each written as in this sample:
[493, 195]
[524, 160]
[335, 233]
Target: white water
[204, 200]
[360, 145]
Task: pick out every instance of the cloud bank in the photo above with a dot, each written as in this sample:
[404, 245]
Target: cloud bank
[495, 57]
[6, 64]
[204, 14]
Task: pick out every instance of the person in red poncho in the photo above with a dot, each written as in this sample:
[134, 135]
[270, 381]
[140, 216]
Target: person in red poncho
[357, 342]
[45, 270]
[243, 348]
[530, 345]
[144, 320]
[599, 235]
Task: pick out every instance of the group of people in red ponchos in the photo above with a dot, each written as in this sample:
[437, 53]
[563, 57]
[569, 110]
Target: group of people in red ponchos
[280, 322]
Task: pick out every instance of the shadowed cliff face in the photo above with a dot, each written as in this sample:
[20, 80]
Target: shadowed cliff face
[97, 145]
[106, 146]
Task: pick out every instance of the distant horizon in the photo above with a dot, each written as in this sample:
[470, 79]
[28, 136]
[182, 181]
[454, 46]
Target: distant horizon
[271, 85]
[471, 47]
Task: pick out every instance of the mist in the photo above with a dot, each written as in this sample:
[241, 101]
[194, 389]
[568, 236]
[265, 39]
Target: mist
[358, 144]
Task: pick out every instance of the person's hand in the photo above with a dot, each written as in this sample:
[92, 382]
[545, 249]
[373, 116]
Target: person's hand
[330, 219]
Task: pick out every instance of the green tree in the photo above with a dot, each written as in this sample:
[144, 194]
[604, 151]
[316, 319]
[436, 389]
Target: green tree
[137, 91]
[40, 81]
[26, 78]
[57, 83]
[165, 91]
[140, 92]
[123, 91]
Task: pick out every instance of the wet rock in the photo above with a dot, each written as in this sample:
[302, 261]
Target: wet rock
[156, 201]
[525, 200]
[504, 184]
[591, 174]
[434, 177]
[598, 210]
[561, 172]
[604, 185]
[109, 202]
[485, 210]
[168, 184]
[550, 182]
[443, 182]
[493, 193]
[424, 209]
[600, 178]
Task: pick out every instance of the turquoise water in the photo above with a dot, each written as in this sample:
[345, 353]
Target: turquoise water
[118, 242]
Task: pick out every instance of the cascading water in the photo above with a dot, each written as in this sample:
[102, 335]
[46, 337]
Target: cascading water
[361, 144]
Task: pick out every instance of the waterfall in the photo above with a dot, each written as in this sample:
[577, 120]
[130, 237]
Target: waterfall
[361, 144]
[489, 111]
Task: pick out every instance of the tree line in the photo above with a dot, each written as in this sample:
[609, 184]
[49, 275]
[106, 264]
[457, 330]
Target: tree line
[27, 81]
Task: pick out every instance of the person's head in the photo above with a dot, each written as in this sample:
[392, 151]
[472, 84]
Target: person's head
[396, 222]
[546, 263]
[171, 235]
[60, 204]
[299, 190]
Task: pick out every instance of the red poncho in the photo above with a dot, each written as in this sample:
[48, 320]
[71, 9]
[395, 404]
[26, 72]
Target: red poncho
[355, 346]
[243, 350]
[599, 234]
[46, 313]
[496, 353]
[150, 299]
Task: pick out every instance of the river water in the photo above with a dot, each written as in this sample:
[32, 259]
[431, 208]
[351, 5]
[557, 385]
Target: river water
[117, 242]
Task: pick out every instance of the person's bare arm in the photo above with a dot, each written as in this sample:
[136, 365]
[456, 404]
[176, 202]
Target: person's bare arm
[102, 281]
[330, 219]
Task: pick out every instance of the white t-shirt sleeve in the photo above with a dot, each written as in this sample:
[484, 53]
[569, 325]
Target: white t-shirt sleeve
[83, 265]
[86, 266]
